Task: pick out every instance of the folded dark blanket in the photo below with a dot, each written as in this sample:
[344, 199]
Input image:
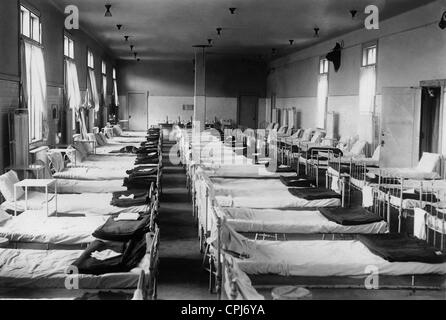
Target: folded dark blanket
[122, 231]
[298, 181]
[350, 216]
[128, 149]
[147, 150]
[428, 197]
[142, 171]
[139, 183]
[314, 194]
[140, 198]
[146, 161]
[132, 253]
[402, 248]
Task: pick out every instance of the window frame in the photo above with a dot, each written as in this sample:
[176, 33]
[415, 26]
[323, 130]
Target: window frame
[90, 59]
[365, 54]
[324, 66]
[69, 51]
[32, 16]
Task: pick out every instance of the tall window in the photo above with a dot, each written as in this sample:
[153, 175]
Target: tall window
[93, 96]
[104, 81]
[68, 47]
[115, 88]
[322, 93]
[367, 82]
[33, 77]
[90, 59]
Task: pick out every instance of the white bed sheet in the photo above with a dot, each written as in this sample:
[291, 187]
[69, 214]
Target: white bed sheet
[292, 221]
[36, 227]
[325, 259]
[407, 173]
[277, 200]
[89, 186]
[48, 269]
[92, 174]
[88, 204]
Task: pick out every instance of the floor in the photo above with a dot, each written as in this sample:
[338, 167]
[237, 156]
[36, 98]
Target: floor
[181, 274]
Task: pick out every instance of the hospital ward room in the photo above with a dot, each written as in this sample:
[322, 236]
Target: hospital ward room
[223, 151]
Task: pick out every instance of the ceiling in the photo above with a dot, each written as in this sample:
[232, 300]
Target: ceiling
[168, 29]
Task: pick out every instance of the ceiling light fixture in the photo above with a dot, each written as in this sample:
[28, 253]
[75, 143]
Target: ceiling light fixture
[108, 12]
[219, 31]
[232, 10]
[291, 42]
[138, 60]
[210, 41]
[135, 54]
[316, 32]
[131, 47]
[274, 51]
[119, 26]
[126, 38]
[353, 13]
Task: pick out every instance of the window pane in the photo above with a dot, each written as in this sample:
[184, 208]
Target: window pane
[25, 22]
[71, 48]
[35, 27]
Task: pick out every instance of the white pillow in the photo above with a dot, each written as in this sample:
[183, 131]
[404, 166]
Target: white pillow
[4, 216]
[307, 135]
[429, 162]
[7, 182]
[117, 130]
[358, 148]
[57, 160]
[377, 154]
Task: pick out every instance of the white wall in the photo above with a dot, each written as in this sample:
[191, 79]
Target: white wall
[411, 48]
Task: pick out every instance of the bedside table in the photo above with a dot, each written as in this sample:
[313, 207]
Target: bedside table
[36, 183]
[38, 169]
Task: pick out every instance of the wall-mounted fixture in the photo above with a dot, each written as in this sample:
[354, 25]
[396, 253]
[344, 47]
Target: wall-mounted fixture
[119, 26]
[108, 12]
[219, 31]
[232, 10]
[442, 23]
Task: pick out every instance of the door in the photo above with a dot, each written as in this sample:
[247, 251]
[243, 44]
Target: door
[430, 120]
[138, 114]
[400, 127]
[247, 111]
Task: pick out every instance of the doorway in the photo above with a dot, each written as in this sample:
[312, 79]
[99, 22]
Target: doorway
[137, 111]
[430, 120]
[247, 111]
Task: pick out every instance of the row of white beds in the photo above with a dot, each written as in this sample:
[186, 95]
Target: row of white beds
[257, 236]
[42, 247]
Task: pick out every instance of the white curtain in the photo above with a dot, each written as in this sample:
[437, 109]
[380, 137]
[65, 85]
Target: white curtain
[115, 90]
[93, 96]
[35, 88]
[322, 94]
[72, 86]
[367, 90]
[291, 118]
[104, 90]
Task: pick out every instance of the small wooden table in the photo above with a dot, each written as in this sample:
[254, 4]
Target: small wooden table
[36, 183]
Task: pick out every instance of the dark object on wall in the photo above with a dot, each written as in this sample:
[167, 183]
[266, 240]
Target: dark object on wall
[335, 56]
[108, 12]
[442, 23]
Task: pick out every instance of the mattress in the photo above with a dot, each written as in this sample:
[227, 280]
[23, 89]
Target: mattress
[325, 259]
[274, 200]
[89, 186]
[243, 185]
[292, 221]
[36, 227]
[23, 268]
[407, 173]
[87, 204]
[91, 174]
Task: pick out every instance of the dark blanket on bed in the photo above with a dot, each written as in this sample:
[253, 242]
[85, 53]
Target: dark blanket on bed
[139, 183]
[314, 194]
[350, 216]
[132, 253]
[141, 197]
[401, 248]
[143, 171]
[140, 161]
[128, 149]
[428, 197]
[298, 181]
[122, 231]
